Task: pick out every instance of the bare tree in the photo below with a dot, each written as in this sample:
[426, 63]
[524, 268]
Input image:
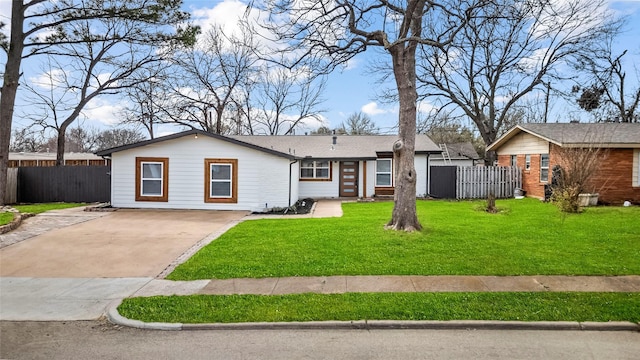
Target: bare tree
[208, 82]
[327, 33]
[285, 99]
[38, 24]
[505, 54]
[26, 140]
[117, 137]
[359, 124]
[576, 167]
[609, 87]
[148, 98]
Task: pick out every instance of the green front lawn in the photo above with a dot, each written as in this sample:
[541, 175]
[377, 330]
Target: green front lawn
[5, 218]
[526, 238]
[386, 306]
[40, 208]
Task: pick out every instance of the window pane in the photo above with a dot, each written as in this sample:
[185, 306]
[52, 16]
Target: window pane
[322, 164]
[152, 171]
[383, 166]
[383, 179]
[220, 189]
[152, 187]
[306, 173]
[220, 172]
[544, 174]
[544, 160]
[322, 173]
[307, 164]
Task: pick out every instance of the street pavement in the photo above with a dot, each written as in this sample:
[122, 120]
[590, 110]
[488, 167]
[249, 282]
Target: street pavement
[101, 340]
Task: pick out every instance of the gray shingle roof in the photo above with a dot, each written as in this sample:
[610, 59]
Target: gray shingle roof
[463, 150]
[301, 146]
[346, 147]
[610, 135]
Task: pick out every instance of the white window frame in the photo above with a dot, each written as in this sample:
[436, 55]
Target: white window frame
[314, 168]
[143, 179]
[513, 160]
[544, 167]
[228, 181]
[390, 173]
[527, 162]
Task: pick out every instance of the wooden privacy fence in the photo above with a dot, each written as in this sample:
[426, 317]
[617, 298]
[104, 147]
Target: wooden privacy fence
[11, 194]
[64, 183]
[476, 182]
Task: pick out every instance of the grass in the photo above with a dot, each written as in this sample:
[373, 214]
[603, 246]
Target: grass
[599, 307]
[40, 208]
[7, 217]
[526, 238]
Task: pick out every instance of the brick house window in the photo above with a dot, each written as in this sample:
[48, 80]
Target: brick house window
[544, 167]
[527, 162]
[514, 160]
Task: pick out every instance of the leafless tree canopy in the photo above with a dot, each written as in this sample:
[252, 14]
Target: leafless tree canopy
[42, 27]
[609, 89]
[322, 35]
[511, 48]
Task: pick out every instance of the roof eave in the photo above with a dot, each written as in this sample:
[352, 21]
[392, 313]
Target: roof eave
[194, 132]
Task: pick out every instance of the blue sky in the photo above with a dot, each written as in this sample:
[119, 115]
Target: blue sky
[350, 90]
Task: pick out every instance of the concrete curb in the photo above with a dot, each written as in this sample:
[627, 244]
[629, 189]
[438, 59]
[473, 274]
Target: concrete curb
[114, 317]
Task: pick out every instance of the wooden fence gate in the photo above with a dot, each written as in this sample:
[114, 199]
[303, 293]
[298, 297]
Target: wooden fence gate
[474, 182]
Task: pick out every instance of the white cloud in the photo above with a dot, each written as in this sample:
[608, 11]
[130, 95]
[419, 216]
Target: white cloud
[50, 79]
[352, 64]
[103, 111]
[373, 109]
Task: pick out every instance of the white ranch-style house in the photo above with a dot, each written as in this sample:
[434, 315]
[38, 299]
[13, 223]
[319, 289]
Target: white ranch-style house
[200, 170]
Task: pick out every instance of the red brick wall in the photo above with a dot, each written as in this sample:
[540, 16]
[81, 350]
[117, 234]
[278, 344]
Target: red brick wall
[613, 181]
[530, 178]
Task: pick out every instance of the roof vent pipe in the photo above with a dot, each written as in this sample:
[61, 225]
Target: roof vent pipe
[335, 139]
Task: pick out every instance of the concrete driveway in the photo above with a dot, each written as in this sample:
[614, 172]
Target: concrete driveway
[123, 244]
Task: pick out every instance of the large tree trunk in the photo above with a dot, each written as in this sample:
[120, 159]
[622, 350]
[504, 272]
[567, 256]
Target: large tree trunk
[404, 216]
[9, 90]
[62, 137]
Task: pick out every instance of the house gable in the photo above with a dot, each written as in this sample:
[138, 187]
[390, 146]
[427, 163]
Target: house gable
[524, 143]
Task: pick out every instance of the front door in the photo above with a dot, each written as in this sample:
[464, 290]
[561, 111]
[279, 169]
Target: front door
[348, 179]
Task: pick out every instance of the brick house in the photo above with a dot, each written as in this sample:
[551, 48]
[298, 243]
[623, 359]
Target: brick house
[536, 149]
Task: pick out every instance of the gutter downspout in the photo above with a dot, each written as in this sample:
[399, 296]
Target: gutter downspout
[290, 182]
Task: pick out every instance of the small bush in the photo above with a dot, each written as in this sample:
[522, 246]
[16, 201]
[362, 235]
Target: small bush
[567, 199]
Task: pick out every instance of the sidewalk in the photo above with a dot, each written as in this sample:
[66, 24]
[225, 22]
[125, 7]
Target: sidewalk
[344, 284]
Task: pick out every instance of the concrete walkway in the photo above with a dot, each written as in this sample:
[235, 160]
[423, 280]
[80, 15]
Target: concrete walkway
[344, 284]
[47, 221]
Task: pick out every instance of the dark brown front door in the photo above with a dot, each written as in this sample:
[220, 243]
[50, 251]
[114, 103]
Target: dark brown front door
[349, 179]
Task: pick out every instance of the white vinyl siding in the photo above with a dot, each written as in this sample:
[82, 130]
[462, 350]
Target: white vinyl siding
[262, 178]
